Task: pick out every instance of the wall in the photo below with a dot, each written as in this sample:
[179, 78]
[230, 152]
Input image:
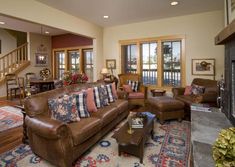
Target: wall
[199, 29]
[8, 42]
[56, 18]
[70, 40]
[35, 40]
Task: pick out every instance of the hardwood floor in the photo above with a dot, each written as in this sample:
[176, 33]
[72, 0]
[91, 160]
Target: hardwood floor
[10, 138]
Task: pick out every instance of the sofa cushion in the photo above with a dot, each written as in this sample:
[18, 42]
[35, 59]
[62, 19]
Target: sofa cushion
[106, 114]
[110, 93]
[122, 105]
[114, 90]
[84, 129]
[197, 90]
[127, 88]
[81, 102]
[136, 95]
[64, 109]
[188, 90]
[134, 85]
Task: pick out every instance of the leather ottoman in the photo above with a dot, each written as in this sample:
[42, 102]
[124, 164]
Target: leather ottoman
[166, 108]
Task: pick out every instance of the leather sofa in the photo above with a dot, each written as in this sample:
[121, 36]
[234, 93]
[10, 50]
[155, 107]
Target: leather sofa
[59, 143]
[208, 97]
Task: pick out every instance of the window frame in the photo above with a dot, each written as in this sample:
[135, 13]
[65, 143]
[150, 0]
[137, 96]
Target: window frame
[160, 69]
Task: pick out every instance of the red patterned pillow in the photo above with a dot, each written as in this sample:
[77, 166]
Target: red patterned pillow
[127, 88]
[188, 90]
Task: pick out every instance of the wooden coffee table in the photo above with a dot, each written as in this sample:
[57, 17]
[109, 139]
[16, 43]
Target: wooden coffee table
[134, 143]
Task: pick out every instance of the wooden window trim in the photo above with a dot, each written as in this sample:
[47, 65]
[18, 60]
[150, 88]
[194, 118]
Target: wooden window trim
[159, 41]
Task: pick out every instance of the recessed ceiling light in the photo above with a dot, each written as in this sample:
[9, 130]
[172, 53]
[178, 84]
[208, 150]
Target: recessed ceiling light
[173, 3]
[106, 17]
[47, 32]
[2, 22]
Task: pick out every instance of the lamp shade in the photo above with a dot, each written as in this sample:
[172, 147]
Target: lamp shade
[104, 71]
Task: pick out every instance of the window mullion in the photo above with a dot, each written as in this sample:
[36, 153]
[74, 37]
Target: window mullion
[159, 64]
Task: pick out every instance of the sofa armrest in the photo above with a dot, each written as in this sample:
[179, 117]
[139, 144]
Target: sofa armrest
[144, 89]
[205, 98]
[178, 91]
[47, 127]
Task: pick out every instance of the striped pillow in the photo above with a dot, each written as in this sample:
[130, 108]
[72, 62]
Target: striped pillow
[82, 104]
[110, 93]
[134, 85]
[104, 99]
[97, 97]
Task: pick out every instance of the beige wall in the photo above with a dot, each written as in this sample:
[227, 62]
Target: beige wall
[8, 42]
[37, 12]
[199, 29]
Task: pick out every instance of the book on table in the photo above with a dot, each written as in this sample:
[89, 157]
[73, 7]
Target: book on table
[200, 107]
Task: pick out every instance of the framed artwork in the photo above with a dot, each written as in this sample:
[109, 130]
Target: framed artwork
[230, 11]
[110, 63]
[41, 59]
[203, 67]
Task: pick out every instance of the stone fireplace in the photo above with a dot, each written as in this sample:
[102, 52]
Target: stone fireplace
[227, 37]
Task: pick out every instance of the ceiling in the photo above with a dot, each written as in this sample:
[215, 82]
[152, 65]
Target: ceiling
[25, 26]
[129, 11]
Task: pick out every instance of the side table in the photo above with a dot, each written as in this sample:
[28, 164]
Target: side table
[157, 92]
[25, 136]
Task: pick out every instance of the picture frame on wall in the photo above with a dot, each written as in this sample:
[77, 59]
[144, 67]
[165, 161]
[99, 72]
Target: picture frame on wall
[230, 11]
[203, 67]
[110, 63]
[41, 59]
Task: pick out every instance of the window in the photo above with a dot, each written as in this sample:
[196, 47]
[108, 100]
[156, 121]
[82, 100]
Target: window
[130, 54]
[159, 61]
[74, 60]
[171, 63]
[88, 64]
[149, 63]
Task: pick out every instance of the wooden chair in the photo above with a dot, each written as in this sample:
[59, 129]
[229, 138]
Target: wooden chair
[29, 87]
[15, 84]
[134, 98]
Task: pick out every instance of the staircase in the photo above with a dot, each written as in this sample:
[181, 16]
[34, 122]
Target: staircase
[14, 62]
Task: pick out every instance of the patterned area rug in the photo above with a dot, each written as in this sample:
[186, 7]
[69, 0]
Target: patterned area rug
[169, 148]
[10, 117]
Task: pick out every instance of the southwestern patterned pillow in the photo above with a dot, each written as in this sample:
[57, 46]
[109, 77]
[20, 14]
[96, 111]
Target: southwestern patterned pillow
[64, 109]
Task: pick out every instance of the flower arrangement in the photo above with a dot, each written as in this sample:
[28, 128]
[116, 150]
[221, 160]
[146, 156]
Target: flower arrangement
[73, 78]
[224, 148]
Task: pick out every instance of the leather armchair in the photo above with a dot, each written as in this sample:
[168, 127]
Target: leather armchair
[132, 97]
[208, 97]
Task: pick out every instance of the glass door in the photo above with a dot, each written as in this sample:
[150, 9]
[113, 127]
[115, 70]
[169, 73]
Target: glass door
[88, 64]
[74, 61]
[60, 64]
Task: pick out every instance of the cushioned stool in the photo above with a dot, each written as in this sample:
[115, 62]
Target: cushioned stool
[166, 108]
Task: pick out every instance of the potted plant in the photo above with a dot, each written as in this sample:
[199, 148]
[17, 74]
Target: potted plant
[224, 148]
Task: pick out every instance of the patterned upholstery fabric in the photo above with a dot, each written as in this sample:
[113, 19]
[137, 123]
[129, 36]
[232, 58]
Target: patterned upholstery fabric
[197, 90]
[134, 85]
[104, 99]
[97, 97]
[136, 95]
[82, 104]
[110, 93]
[64, 109]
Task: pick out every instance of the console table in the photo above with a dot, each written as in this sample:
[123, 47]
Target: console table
[205, 127]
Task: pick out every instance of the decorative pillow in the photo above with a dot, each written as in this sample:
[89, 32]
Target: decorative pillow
[127, 88]
[97, 97]
[188, 90]
[64, 109]
[90, 101]
[110, 93]
[114, 90]
[81, 102]
[103, 96]
[197, 90]
[134, 85]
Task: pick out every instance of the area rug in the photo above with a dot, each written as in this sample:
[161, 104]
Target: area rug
[170, 147]
[10, 117]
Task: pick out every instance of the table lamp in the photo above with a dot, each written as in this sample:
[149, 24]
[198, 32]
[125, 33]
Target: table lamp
[104, 72]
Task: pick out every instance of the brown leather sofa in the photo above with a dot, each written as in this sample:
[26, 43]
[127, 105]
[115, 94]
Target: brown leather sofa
[208, 97]
[60, 143]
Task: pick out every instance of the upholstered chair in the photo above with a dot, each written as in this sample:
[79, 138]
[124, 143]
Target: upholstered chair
[137, 97]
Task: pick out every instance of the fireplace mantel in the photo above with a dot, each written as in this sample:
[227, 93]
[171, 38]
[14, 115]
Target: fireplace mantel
[226, 34]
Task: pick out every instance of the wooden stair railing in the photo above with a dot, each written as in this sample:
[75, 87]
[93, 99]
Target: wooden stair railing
[13, 61]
